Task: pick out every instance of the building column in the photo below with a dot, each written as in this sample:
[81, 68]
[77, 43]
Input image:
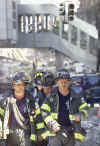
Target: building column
[51, 22]
[33, 22]
[24, 23]
[60, 26]
[46, 22]
[78, 37]
[59, 60]
[69, 33]
[28, 23]
[88, 43]
[37, 22]
[49, 27]
[42, 21]
[19, 23]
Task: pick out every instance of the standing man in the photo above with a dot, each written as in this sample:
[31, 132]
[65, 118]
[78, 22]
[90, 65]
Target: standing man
[40, 130]
[59, 109]
[37, 95]
[14, 114]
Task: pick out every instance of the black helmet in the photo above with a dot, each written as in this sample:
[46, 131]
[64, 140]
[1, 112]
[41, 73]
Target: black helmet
[48, 79]
[63, 73]
[38, 77]
[18, 77]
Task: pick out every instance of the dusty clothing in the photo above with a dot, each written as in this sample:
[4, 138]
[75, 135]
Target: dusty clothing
[18, 138]
[52, 112]
[15, 120]
[37, 125]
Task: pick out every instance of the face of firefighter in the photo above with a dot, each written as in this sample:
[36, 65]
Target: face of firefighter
[19, 90]
[63, 85]
[47, 90]
[40, 87]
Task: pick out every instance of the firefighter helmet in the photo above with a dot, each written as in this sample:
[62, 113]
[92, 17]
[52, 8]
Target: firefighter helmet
[63, 73]
[18, 77]
[48, 79]
[38, 77]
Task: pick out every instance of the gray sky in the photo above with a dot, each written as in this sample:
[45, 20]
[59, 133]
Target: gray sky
[39, 1]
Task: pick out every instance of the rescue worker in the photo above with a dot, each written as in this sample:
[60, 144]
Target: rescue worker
[61, 110]
[38, 79]
[37, 95]
[36, 87]
[15, 114]
[40, 129]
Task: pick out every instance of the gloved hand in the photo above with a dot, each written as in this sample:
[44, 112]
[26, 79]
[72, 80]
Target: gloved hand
[83, 131]
[64, 136]
[55, 126]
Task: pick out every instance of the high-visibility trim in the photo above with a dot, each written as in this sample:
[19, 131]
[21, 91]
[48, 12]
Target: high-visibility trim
[46, 107]
[51, 134]
[89, 105]
[46, 134]
[1, 127]
[37, 111]
[72, 117]
[48, 119]
[33, 137]
[40, 125]
[54, 115]
[31, 119]
[96, 105]
[83, 105]
[38, 75]
[79, 136]
[2, 111]
[85, 113]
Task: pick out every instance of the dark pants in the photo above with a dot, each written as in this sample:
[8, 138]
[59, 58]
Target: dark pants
[42, 143]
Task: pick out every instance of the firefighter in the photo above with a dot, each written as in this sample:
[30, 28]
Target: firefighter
[61, 110]
[37, 95]
[35, 86]
[40, 129]
[15, 113]
[38, 79]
